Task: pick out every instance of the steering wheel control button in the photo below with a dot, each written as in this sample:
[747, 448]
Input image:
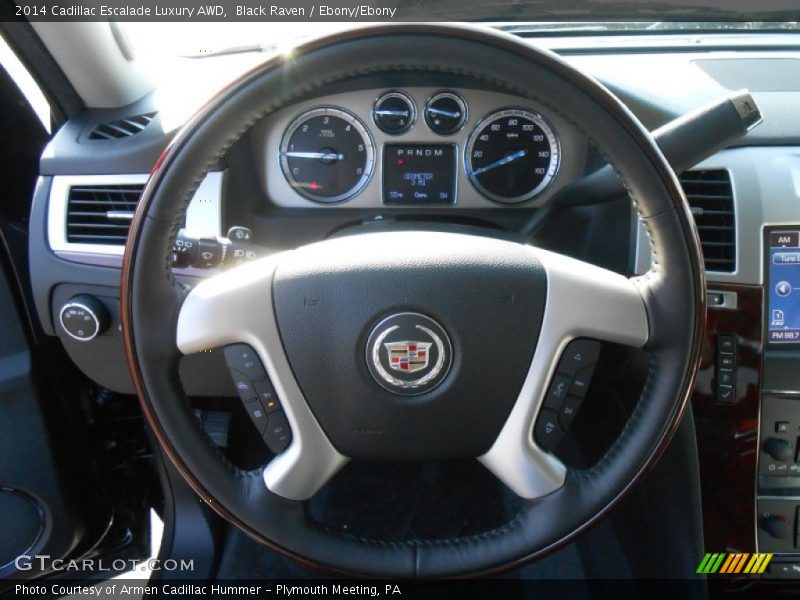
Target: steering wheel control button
[394, 113]
[578, 354]
[548, 432]
[557, 392]
[258, 395]
[566, 392]
[266, 394]
[243, 386]
[258, 415]
[409, 353]
[278, 435]
[569, 408]
[445, 113]
[580, 382]
[244, 359]
[84, 317]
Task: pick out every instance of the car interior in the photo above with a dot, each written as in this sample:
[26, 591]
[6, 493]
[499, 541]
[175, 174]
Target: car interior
[506, 300]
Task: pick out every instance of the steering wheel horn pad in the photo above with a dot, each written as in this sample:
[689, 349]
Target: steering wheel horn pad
[504, 351]
[461, 282]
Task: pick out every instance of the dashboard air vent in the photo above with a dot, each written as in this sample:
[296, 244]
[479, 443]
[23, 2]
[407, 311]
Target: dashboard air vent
[121, 128]
[710, 197]
[101, 214]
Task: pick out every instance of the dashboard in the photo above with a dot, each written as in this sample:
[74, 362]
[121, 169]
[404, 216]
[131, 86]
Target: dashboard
[415, 147]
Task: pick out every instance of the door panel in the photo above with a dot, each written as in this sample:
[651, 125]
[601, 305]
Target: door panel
[47, 504]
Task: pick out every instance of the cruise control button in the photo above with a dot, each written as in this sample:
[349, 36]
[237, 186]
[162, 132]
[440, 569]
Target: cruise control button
[258, 415]
[243, 386]
[548, 432]
[556, 392]
[278, 434]
[266, 393]
[568, 411]
[578, 354]
[580, 383]
[245, 360]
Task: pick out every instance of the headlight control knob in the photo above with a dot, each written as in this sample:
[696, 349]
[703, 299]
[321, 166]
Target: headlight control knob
[84, 317]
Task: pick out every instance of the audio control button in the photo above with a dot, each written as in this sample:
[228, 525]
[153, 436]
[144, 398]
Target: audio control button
[557, 392]
[548, 432]
[578, 354]
[779, 449]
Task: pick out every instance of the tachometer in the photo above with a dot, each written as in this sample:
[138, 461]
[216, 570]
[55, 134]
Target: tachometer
[512, 155]
[327, 155]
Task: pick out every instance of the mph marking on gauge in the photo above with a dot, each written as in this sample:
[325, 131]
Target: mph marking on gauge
[512, 155]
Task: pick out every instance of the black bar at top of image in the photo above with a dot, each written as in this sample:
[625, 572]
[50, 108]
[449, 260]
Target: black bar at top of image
[398, 10]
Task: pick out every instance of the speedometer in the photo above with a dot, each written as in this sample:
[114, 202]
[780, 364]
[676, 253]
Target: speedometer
[327, 155]
[512, 155]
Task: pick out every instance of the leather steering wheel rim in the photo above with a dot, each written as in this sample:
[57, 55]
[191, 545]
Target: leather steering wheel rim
[671, 293]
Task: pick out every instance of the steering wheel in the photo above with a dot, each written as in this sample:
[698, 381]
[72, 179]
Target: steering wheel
[491, 318]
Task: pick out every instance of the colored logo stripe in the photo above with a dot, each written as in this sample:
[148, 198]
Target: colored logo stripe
[733, 563]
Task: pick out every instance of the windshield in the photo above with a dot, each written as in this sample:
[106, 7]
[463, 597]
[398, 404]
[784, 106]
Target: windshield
[209, 39]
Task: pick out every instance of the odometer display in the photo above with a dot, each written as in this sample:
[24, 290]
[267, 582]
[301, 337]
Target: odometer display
[327, 155]
[512, 155]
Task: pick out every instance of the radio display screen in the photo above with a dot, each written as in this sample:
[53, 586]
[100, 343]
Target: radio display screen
[783, 285]
[419, 174]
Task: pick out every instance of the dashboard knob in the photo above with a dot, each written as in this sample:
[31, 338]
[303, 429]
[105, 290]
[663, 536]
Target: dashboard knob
[778, 526]
[779, 449]
[84, 317]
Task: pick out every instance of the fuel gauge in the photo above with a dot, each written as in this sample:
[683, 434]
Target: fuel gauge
[394, 113]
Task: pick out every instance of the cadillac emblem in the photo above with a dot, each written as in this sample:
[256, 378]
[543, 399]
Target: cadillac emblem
[409, 353]
[408, 357]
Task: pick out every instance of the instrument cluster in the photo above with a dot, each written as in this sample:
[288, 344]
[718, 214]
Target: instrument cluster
[416, 147]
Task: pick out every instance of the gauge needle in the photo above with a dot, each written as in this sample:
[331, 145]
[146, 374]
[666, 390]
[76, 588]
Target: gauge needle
[391, 113]
[444, 113]
[499, 163]
[317, 155]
